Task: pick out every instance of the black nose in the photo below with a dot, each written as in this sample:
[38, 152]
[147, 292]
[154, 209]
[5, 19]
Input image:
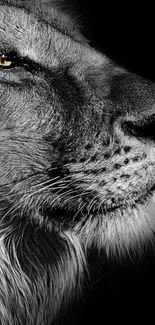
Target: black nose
[134, 99]
[145, 129]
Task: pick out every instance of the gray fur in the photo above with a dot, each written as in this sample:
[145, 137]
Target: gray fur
[72, 174]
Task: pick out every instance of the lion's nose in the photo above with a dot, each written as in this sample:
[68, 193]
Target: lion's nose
[145, 129]
[134, 99]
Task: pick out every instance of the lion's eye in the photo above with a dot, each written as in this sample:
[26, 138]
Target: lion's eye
[5, 61]
[13, 59]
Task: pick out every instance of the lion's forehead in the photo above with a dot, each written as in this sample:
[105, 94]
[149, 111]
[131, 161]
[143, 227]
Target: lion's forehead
[49, 45]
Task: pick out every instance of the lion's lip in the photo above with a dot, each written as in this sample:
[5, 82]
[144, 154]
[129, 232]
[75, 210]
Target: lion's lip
[138, 198]
[58, 212]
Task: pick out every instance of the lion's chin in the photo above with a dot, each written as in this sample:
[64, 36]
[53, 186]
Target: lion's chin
[123, 231]
[117, 229]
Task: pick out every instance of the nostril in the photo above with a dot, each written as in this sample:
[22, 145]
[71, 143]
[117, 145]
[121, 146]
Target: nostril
[139, 129]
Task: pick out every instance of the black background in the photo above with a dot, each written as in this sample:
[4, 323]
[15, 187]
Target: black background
[124, 291]
[124, 31]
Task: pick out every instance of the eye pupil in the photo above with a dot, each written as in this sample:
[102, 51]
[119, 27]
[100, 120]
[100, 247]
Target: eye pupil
[13, 59]
[5, 61]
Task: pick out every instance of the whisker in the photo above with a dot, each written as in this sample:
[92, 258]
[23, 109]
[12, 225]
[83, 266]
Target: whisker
[45, 182]
[11, 209]
[82, 193]
[51, 187]
[65, 179]
[68, 184]
[79, 211]
[100, 207]
[61, 195]
[92, 203]
[30, 177]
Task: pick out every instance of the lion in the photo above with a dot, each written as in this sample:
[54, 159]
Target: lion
[77, 161]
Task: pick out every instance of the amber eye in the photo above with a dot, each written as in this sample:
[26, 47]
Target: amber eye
[5, 61]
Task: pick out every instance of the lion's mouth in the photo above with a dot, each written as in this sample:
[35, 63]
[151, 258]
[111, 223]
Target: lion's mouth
[63, 216]
[123, 203]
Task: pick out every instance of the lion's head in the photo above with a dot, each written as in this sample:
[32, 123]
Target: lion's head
[77, 145]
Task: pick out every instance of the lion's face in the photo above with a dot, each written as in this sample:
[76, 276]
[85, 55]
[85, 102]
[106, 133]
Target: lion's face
[76, 135]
